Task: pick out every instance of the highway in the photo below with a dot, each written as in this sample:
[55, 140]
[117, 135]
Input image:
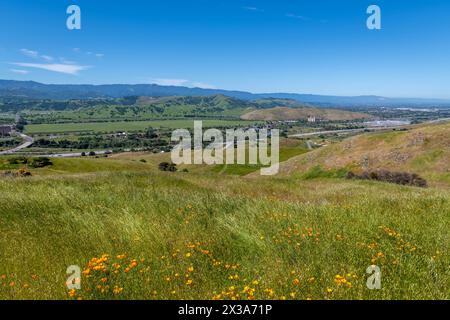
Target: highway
[27, 141]
[310, 134]
[75, 155]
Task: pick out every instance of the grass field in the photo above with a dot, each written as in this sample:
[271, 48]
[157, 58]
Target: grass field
[289, 148]
[140, 233]
[128, 125]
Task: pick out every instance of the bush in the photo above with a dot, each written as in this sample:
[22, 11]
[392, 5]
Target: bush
[39, 162]
[17, 160]
[23, 173]
[166, 166]
[401, 178]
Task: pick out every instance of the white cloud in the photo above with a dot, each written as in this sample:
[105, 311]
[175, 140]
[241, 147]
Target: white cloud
[182, 82]
[65, 61]
[203, 85]
[72, 69]
[296, 16]
[253, 9]
[30, 53]
[89, 53]
[19, 71]
[35, 54]
[48, 58]
[169, 82]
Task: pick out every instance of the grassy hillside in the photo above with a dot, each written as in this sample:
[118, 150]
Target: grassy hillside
[302, 113]
[140, 233]
[423, 149]
[156, 108]
[137, 108]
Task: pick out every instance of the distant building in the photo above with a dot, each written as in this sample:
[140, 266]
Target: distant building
[311, 119]
[5, 130]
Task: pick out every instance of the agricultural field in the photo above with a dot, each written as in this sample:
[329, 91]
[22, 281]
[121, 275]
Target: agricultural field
[139, 233]
[128, 125]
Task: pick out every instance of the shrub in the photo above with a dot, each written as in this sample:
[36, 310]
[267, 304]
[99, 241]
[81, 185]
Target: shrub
[401, 178]
[39, 162]
[23, 173]
[17, 160]
[166, 166]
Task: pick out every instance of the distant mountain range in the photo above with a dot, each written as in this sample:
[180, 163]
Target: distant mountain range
[36, 90]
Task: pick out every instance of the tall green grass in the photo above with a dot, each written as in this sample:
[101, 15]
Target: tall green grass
[203, 236]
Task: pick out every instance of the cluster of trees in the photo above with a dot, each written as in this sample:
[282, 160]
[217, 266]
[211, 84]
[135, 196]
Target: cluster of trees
[402, 178]
[10, 142]
[95, 142]
[38, 162]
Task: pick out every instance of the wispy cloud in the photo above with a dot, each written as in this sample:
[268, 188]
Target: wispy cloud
[35, 54]
[253, 9]
[296, 16]
[48, 58]
[19, 71]
[65, 61]
[181, 82]
[72, 69]
[30, 53]
[169, 82]
[89, 53]
[203, 85]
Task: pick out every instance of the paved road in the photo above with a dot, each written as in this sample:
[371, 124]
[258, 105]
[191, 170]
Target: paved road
[310, 134]
[75, 155]
[28, 141]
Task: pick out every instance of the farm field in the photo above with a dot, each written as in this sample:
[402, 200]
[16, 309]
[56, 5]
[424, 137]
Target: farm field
[128, 125]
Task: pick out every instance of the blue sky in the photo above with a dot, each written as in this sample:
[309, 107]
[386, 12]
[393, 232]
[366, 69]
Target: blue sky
[315, 46]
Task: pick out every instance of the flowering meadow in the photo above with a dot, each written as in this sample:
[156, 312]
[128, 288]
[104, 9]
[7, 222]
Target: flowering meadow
[137, 233]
